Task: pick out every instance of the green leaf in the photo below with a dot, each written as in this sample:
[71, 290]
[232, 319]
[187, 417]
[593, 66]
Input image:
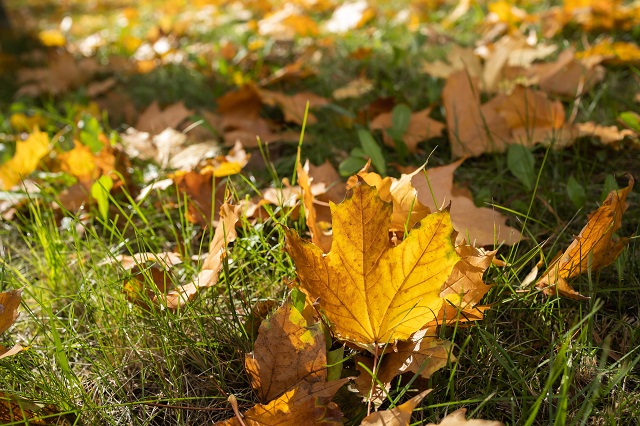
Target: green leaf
[351, 165]
[610, 184]
[100, 192]
[520, 162]
[631, 120]
[90, 134]
[577, 193]
[373, 150]
[400, 117]
[297, 299]
[334, 363]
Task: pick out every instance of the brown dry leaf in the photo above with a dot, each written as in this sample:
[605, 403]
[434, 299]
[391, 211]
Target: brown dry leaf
[206, 186]
[244, 102]
[524, 116]
[457, 418]
[9, 303]
[62, 73]
[566, 76]
[373, 293]
[154, 120]
[481, 226]
[354, 89]
[606, 134]
[291, 409]
[25, 160]
[19, 411]
[208, 276]
[421, 128]
[202, 190]
[471, 131]
[593, 249]
[290, 349]
[399, 416]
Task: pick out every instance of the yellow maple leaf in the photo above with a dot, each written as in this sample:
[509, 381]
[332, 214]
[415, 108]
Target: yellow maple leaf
[28, 154]
[593, 249]
[371, 292]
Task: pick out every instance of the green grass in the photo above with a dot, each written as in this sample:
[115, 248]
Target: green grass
[533, 360]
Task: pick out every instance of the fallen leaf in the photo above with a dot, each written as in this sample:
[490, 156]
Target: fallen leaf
[318, 236]
[398, 416]
[9, 303]
[407, 209]
[354, 89]
[593, 249]
[28, 154]
[480, 226]
[290, 410]
[421, 128]
[607, 134]
[524, 116]
[208, 277]
[465, 288]
[290, 349]
[459, 58]
[370, 292]
[153, 120]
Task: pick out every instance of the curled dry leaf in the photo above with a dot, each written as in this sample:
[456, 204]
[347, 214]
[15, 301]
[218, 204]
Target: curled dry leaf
[423, 355]
[464, 289]
[480, 226]
[399, 416]
[607, 134]
[457, 418]
[594, 248]
[370, 292]
[208, 276]
[421, 128]
[318, 236]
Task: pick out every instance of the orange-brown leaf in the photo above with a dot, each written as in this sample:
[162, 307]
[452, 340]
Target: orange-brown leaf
[208, 276]
[290, 349]
[9, 302]
[479, 225]
[290, 410]
[593, 249]
[398, 416]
